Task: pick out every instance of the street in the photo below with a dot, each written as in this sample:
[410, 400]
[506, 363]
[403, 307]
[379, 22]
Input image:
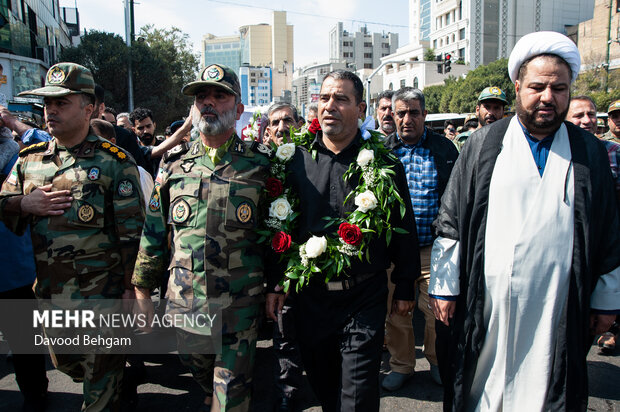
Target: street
[170, 387]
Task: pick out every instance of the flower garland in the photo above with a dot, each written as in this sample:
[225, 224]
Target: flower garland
[374, 196]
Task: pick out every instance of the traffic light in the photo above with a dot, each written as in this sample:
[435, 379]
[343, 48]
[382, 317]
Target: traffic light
[447, 63]
[440, 68]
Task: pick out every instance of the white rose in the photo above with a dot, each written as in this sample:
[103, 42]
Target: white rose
[365, 201]
[285, 151]
[315, 246]
[364, 157]
[280, 208]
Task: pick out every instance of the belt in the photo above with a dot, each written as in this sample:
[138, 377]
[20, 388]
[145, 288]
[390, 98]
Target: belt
[349, 282]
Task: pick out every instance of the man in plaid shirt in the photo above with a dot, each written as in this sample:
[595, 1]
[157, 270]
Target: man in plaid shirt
[428, 159]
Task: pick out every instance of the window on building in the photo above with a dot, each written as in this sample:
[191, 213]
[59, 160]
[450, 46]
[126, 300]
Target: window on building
[387, 46]
[384, 54]
[460, 10]
[368, 55]
[453, 38]
[447, 18]
[415, 83]
[367, 44]
[462, 54]
[440, 42]
[435, 44]
[367, 65]
[462, 34]
[391, 87]
[402, 83]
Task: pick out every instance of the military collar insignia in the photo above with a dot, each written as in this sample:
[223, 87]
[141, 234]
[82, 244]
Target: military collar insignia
[239, 147]
[196, 149]
[180, 211]
[263, 149]
[93, 173]
[86, 213]
[213, 73]
[187, 165]
[244, 212]
[56, 76]
[125, 188]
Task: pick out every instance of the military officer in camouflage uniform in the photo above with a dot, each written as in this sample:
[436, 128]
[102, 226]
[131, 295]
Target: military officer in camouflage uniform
[206, 199]
[80, 195]
[613, 112]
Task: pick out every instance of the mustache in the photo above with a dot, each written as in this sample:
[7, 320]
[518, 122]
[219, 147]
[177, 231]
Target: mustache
[545, 106]
[209, 110]
[387, 117]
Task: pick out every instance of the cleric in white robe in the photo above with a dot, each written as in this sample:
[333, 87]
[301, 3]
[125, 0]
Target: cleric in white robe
[526, 265]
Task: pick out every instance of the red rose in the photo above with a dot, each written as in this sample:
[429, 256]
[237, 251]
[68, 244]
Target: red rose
[351, 234]
[281, 242]
[315, 126]
[274, 187]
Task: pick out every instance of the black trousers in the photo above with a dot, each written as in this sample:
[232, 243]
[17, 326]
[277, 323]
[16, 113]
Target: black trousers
[444, 347]
[340, 336]
[289, 369]
[29, 368]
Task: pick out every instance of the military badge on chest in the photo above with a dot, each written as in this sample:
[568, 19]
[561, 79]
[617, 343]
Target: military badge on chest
[244, 212]
[180, 211]
[187, 166]
[86, 213]
[93, 173]
[125, 188]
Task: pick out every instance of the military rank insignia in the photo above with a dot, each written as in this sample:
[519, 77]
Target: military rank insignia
[86, 213]
[154, 202]
[244, 212]
[93, 173]
[125, 188]
[180, 212]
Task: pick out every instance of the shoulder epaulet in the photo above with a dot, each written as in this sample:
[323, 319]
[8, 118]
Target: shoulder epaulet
[176, 151]
[114, 150]
[38, 147]
[257, 147]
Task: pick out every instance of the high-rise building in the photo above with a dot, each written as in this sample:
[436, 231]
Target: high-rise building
[419, 21]
[482, 31]
[255, 85]
[224, 50]
[595, 36]
[360, 50]
[258, 46]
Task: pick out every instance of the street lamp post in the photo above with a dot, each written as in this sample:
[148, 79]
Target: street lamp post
[128, 39]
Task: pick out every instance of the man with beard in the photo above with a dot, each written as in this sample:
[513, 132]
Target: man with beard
[280, 118]
[613, 120]
[385, 116]
[491, 104]
[527, 262]
[200, 224]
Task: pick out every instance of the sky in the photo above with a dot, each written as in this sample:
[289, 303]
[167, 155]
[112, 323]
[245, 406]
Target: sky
[312, 20]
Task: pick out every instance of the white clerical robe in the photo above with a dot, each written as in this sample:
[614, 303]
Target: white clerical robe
[528, 253]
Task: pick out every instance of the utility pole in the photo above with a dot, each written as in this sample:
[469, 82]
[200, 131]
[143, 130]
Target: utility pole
[129, 35]
[608, 47]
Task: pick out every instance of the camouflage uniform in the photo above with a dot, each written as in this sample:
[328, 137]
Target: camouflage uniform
[609, 136]
[89, 251]
[210, 210]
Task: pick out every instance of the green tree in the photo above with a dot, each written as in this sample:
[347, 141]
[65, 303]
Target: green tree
[429, 55]
[591, 83]
[162, 62]
[432, 97]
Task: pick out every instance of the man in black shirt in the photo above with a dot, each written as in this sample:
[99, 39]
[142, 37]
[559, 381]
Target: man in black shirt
[341, 324]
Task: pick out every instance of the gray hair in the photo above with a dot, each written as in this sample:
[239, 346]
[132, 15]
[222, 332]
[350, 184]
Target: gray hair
[407, 94]
[313, 107]
[282, 105]
[124, 114]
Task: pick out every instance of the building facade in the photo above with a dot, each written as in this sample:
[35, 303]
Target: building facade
[224, 50]
[479, 32]
[256, 85]
[32, 35]
[594, 36]
[307, 83]
[360, 50]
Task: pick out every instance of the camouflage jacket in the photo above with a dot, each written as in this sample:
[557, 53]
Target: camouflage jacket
[611, 137]
[90, 250]
[209, 214]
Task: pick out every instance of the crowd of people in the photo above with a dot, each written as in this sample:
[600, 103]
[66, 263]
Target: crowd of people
[506, 233]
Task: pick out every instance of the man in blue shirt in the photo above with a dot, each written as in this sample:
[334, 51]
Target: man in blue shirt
[428, 159]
